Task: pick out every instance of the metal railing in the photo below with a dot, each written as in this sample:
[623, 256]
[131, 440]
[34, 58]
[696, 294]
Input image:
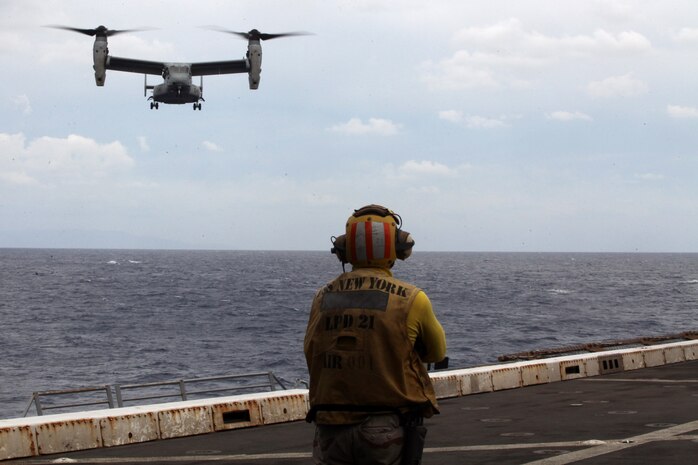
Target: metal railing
[104, 394]
[40, 408]
[270, 381]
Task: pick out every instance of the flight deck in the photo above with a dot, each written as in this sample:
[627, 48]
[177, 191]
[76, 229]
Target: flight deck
[644, 415]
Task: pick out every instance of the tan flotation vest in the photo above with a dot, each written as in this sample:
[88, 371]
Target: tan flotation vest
[358, 352]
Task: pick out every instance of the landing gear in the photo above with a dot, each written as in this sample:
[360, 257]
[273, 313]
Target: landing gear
[154, 105]
[197, 106]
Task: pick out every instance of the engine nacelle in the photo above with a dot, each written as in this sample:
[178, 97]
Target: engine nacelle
[254, 58]
[99, 57]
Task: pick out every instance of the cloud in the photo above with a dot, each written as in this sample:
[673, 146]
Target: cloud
[649, 176]
[617, 86]
[17, 178]
[466, 70]
[70, 51]
[377, 126]
[425, 167]
[676, 111]
[23, 104]
[473, 122]
[568, 116]
[425, 177]
[12, 42]
[528, 43]
[454, 116]
[66, 48]
[211, 147]
[492, 56]
[132, 45]
[686, 35]
[74, 159]
[424, 190]
[143, 144]
[482, 122]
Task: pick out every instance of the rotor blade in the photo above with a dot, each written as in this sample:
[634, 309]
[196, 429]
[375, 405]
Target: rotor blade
[87, 32]
[99, 31]
[255, 34]
[113, 32]
[282, 34]
[244, 35]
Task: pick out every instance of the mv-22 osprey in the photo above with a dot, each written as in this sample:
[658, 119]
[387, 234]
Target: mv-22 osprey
[177, 87]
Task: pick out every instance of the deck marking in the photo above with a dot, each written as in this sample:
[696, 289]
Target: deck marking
[527, 445]
[591, 448]
[169, 459]
[639, 380]
[292, 455]
[671, 433]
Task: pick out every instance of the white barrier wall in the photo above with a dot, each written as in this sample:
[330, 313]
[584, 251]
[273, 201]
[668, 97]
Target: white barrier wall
[51, 434]
[513, 375]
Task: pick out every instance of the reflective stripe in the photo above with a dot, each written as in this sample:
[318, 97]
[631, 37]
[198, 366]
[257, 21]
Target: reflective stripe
[370, 237]
[386, 240]
[355, 248]
[370, 241]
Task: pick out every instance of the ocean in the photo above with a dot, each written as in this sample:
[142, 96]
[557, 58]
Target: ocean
[74, 318]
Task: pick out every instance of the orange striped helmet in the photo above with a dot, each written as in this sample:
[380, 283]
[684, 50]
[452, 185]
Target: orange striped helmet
[373, 238]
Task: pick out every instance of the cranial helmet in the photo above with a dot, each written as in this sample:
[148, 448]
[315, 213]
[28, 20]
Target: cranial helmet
[373, 238]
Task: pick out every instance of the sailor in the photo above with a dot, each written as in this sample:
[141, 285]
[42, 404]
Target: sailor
[368, 338]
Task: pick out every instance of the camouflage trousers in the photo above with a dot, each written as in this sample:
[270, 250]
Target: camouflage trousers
[378, 440]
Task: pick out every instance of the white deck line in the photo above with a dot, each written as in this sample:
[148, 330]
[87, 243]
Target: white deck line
[51, 434]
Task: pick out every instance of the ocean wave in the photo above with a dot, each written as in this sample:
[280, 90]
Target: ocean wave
[189, 314]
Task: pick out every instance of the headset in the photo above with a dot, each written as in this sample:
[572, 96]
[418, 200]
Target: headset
[402, 240]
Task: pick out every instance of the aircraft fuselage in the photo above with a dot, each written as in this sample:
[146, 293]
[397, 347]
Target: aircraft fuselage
[177, 88]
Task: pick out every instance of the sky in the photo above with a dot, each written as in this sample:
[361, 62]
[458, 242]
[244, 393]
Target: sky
[532, 126]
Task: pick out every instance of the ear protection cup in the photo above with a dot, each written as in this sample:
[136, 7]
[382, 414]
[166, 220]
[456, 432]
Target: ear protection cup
[339, 247]
[373, 238]
[403, 244]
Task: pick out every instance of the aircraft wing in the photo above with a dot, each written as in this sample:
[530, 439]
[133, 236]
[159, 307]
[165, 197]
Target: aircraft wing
[219, 67]
[130, 65]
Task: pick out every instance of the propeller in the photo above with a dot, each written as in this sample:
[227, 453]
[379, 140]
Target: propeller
[99, 31]
[254, 34]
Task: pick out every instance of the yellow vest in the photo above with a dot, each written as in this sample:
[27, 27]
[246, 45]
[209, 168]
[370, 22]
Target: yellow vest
[358, 352]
